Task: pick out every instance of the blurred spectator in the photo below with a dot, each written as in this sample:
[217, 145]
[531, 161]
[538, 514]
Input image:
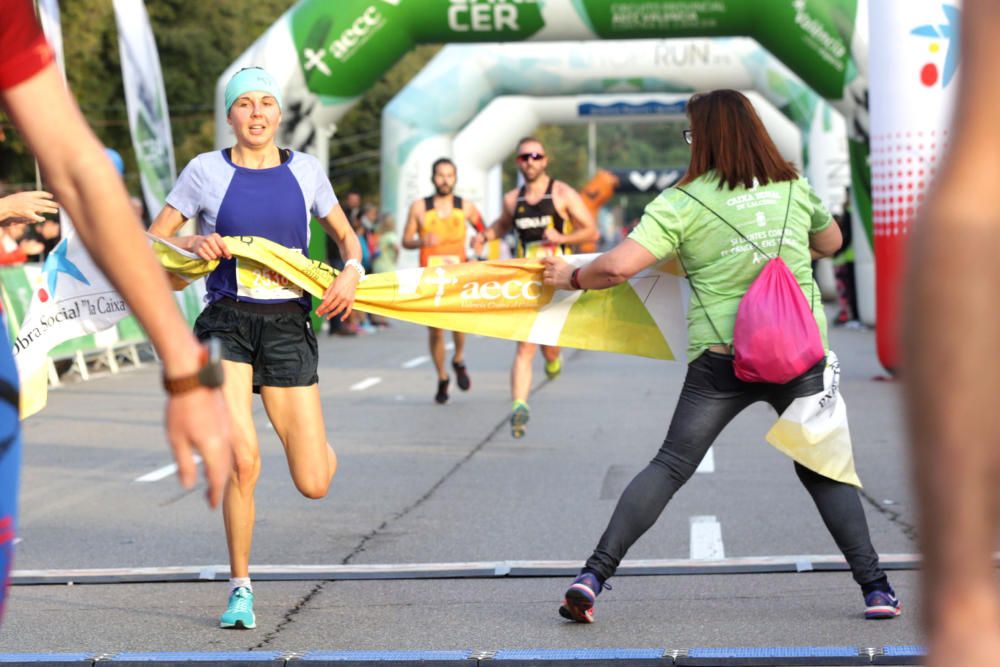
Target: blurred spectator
[10, 246]
[388, 245]
[352, 209]
[364, 226]
[31, 244]
[37, 240]
[49, 232]
[843, 261]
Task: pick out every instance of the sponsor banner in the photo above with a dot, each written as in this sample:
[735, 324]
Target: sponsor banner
[502, 299]
[914, 68]
[146, 100]
[344, 47]
[506, 299]
[70, 298]
[629, 109]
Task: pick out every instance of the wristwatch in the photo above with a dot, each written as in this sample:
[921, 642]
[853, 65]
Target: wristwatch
[209, 375]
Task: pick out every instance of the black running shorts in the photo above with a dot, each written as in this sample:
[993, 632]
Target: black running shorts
[275, 338]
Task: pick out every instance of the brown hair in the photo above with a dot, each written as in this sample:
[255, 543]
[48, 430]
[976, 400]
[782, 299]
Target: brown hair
[729, 137]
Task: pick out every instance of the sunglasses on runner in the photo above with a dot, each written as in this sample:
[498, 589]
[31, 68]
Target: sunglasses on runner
[524, 157]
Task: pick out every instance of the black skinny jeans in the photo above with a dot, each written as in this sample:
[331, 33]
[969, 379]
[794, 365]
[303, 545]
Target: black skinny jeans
[712, 396]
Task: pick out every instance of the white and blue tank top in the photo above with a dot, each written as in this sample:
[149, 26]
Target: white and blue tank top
[275, 203]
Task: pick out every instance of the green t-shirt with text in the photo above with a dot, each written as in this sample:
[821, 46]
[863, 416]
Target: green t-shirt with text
[720, 263]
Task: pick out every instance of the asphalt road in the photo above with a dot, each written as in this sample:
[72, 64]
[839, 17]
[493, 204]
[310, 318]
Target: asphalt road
[426, 484]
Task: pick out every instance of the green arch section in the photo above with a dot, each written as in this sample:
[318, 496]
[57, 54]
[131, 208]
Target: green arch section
[344, 46]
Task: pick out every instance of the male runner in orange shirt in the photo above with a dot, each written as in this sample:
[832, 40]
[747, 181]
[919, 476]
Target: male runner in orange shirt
[437, 225]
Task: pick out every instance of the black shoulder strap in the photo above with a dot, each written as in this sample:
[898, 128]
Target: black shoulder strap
[520, 194]
[698, 297]
[548, 190]
[456, 202]
[428, 203]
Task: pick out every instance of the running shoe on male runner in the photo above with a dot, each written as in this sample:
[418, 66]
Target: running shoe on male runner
[461, 376]
[519, 417]
[553, 368]
[441, 397]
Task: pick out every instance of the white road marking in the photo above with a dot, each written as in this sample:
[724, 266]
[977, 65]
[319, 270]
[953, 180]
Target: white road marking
[416, 361]
[708, 463]
[706, 538]
[163, 473]
[449, 346]
[367, 383]
[17, 540]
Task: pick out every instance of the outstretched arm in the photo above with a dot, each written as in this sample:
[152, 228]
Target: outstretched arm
[74, 165]
[611, 268]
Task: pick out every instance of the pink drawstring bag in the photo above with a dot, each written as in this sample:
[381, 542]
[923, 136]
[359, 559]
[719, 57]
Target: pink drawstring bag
[775, 336]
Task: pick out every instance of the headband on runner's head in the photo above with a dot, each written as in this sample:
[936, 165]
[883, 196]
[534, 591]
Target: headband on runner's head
[248, 80]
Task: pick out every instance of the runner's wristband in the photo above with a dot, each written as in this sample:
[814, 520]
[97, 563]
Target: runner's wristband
[210, 374]
[574, 281]
[356, 265]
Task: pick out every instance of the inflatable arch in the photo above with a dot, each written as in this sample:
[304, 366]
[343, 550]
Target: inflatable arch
[328, 54]
[488, 138]
[419, 124]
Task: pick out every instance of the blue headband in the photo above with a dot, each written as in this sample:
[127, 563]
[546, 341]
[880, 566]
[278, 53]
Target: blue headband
[248, 80]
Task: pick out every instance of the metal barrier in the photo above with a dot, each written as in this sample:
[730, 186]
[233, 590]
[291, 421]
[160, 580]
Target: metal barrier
[763, 656]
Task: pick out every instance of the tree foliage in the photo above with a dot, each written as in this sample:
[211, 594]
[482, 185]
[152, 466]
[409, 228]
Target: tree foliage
[196, 42]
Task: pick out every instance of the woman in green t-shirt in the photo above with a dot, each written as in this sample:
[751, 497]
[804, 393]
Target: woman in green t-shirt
[736, 174]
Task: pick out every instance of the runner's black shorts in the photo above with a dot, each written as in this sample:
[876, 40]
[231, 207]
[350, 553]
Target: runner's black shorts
[275, 338]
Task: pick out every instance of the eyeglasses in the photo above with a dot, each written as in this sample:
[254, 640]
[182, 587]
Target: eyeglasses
[524, 157]
[687, 134]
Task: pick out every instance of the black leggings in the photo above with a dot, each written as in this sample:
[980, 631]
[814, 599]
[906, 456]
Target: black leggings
[711, 397]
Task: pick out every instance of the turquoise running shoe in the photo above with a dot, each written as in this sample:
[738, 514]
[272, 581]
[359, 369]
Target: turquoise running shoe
[240, 611]
[519, 417]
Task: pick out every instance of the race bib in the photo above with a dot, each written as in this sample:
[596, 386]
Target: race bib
[538, 249]
[256, 281]
[443, 260]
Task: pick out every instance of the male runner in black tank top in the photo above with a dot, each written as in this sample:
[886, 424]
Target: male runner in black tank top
[538, 212]
[531, 222]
